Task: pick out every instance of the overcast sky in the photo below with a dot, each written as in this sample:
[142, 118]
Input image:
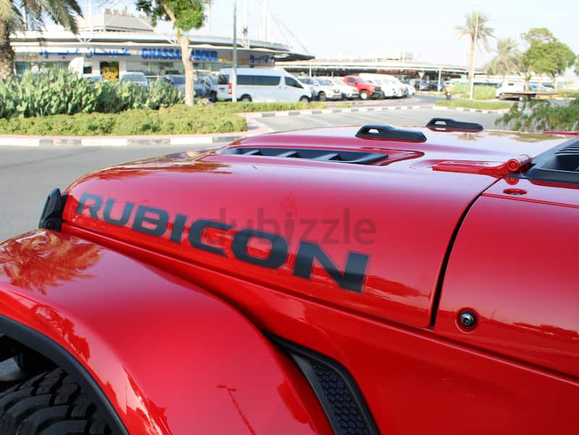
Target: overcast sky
[330, 29]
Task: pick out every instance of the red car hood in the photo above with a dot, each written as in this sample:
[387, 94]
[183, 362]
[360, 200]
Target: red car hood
[363, 238]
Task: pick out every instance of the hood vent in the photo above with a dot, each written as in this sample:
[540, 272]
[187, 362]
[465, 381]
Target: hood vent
[320, 155]
[560, 164]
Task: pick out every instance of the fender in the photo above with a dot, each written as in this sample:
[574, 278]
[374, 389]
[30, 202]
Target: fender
[167, 356]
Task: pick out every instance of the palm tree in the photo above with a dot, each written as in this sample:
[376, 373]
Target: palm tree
[475, 27]
[11, 19]
[507, 60]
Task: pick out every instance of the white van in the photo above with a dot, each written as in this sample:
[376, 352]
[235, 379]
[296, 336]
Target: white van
[262, 86]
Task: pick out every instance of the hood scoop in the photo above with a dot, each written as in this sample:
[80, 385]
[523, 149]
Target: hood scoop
[317, 154]
[560, 164]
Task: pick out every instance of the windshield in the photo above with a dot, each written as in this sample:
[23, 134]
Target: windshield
[361, 80]
[178, 80]
[325, 82]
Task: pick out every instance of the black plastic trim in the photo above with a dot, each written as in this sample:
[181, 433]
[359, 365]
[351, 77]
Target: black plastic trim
[63, 359]
[317, 154]
[300, 355]
[450, 125]
[390, 133]
[557, 165]
[51, 217]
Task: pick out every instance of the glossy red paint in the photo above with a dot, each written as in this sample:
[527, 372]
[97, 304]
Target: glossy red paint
[458, 234]
[525, 291]
[402, 372]
[153, 342]
[374, 210]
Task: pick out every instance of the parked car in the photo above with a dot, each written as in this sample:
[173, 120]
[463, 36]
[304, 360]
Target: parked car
[367, 90]
[328, 90]
[214, 88]
[176, 80]
[138, 78]
[203, 87]
[394, 87]
[94, 78]
[310, 84]
[372, 280]
[262, 85]
[410, 90]
[348, 92]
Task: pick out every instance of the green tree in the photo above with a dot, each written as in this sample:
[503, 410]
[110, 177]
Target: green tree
[184, 15]
[577, 67]
[546, 54]
[11, 19]
[476, 28]
[507, 59]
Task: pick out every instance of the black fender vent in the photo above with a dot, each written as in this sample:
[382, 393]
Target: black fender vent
[336, 390]
[560, 164]
[321, 155]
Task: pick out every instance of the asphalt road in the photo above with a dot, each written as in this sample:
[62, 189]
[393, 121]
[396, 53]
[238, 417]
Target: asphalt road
[401, 118]
[27, 175]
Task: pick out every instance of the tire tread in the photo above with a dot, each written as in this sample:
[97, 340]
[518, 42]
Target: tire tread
[51, 403]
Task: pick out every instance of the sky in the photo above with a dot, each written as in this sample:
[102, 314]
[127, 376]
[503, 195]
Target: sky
[363, 28]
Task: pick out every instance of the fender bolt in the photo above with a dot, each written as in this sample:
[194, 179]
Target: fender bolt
[467, 319]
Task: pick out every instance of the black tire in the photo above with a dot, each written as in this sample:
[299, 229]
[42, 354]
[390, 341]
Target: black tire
[51, 403]
[213, 97]
[245, 99]
[304, 99]
[364, 95]
[322, 96]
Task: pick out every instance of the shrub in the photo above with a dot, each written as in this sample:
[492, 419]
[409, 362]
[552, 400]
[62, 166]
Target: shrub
[540, 115]
[59, 92]
[178, 119]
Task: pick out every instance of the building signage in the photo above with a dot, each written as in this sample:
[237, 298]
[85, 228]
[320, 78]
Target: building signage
[175, 54]
[88, 53]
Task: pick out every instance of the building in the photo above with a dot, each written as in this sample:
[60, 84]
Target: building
[403, 67]
[114, 42]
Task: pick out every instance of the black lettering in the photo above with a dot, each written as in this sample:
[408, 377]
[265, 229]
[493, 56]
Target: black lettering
[124, 219]
[354, 273]
[277, 254]
[196, 232]
[178, 228]
[159, 222]
[92, 209]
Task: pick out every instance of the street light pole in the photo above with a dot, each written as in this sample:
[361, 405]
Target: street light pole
[234, 75]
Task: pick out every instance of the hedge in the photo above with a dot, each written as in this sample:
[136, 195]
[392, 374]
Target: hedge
[178, 119]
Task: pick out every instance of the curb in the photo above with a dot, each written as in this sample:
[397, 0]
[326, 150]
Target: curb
[20, 141]
[464, 109]
[329, 111]
[254, 128]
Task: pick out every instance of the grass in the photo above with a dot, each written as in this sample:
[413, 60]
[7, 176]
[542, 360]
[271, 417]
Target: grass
[569, 93]
[479, 93]
[472, 104]
[179, 119]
